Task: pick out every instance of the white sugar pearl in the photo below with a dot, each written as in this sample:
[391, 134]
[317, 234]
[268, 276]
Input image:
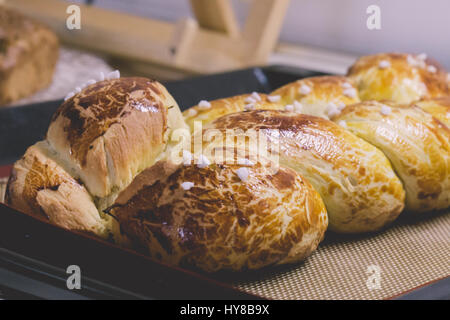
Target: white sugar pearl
[384, 64]
[431, 69]
[244, 162]
[347, 85]
[289, 107]
[187, 157]
[187, 185]
[89, 82]
[101, 76]
[113, 75]
[274, 98]
[298, 107]
[342, 123]
[242, 174]
[341, 106]
[304, 89]
[192, 112]
[256, 96]
[249, 107]
[332, 110]
[69, 95]
[422, 56]
[351, 93]
[203, 162]
[78, 89]
[250, 100]
[385, 110]
[203, 104]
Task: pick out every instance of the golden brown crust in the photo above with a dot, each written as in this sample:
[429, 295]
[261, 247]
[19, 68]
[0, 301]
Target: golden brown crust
[28, 55]
[225, 223]
[416, 143]
[229, 105]
[437, 107]
[356, 181]
[39, 186]
[318, 94]
[403, 78]
[112, 130]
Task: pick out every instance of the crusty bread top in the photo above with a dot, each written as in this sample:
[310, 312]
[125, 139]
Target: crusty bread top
[18, 35]
[416, 143]
[400, 77]
[223, 222]
[221, 107]
[438, 107]
[317, 93]
[354, 178]
[112, 130]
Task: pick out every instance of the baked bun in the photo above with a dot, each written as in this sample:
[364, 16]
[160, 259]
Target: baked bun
[28, 55]
[416, 143]
[97, 142]
[213, 218]
[39, 186]
[318, 96]
[402, 78]
[207, 111]
[438, 107]
[112, 130]
[355, 180]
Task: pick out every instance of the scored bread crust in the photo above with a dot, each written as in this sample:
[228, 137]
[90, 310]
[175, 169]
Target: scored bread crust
[112, 130]
[320, 93]
[416, 143]
[40, 186]
[222, 222]
[406, 78]
[355, 180]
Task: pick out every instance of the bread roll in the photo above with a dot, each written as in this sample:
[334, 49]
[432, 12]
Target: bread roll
[416, 143]
[97, 142]
[355, 180]
[112, 130]
[28, 55]
[38, 185]
[318, 96]
[399, 77]
[215, 218]
[207, 111]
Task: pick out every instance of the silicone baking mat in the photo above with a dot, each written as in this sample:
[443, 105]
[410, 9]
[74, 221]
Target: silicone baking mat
[409, 254]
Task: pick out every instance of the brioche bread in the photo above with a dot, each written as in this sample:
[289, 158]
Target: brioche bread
[416, 143]
[119, 160]
[399, 77]
[355, 180]
[220, 221]
[28, 55]
[319, 96]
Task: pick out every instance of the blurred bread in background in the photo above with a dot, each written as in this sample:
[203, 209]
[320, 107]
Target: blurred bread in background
[28, 55]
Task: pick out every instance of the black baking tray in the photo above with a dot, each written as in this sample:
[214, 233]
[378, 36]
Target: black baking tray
[34, 255]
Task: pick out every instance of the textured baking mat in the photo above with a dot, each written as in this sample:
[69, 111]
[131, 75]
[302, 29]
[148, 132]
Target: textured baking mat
[407, 255]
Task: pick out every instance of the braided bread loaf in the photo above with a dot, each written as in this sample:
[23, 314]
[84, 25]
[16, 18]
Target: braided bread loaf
[121, 148]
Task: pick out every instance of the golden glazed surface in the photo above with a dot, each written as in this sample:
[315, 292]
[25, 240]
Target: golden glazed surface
[229, 105]
[399, 77]
[438, 107]
[112, 130]
[222, 222]
[39, 186]
[317, 93]
[416, 143]
[355, 179]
